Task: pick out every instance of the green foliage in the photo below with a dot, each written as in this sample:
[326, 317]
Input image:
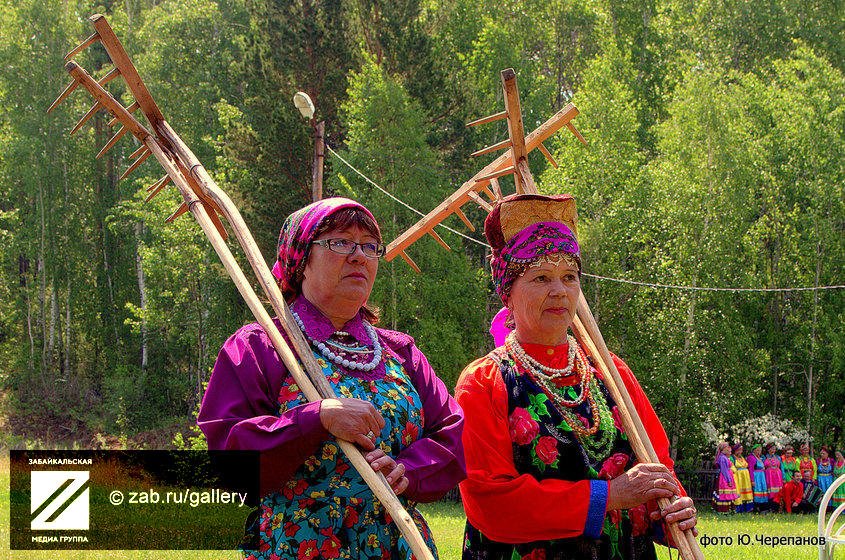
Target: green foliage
[387, 132]
[714, 158]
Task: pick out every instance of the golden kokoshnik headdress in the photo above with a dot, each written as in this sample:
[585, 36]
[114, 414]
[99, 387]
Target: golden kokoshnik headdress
[524, 228]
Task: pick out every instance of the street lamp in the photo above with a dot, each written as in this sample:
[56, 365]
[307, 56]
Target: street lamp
[304, 104]
[306, 107]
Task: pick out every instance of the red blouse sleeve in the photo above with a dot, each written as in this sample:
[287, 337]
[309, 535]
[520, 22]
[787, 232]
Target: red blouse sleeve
[500, 502]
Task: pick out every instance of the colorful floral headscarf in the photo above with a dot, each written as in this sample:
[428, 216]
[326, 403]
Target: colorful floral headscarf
[296, 236]
[534, 241]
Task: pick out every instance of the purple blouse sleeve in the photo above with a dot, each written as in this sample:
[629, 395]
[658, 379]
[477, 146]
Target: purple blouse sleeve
[434, 464]
[240, 408]
[725, 467]
[752, 465]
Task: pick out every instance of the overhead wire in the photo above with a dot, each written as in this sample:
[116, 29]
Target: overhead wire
[594, 276]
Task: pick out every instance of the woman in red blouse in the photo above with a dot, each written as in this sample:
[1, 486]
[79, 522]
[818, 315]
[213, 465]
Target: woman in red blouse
[550, 471]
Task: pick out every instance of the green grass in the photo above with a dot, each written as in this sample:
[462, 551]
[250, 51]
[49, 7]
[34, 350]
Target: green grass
[447, 523]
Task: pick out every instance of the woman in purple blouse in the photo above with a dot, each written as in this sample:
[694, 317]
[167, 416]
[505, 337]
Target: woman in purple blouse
[394, 406]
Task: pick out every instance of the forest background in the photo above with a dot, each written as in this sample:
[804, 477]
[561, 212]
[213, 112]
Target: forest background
[715, 135]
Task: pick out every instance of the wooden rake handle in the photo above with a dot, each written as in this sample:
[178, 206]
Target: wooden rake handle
[204, 198]
[588, 335]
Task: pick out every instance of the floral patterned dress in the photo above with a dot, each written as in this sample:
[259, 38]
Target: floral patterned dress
[545, 447]
[788, 465]
[326, 510]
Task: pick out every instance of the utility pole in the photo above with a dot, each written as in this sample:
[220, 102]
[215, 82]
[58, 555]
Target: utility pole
[317, 166]
[306, 107]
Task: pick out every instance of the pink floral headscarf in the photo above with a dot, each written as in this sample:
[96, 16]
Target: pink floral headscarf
[296, 236]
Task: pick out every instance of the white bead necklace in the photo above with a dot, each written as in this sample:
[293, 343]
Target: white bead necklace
[340, 360]
[539, 368]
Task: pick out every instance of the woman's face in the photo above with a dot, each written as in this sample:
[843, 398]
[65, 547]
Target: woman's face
[726, 450]
[738, 451]
[839, 456]
[758, 451]
[805, 449]
[788, 451]
[543, 300]
[823, 454]
[339, 285]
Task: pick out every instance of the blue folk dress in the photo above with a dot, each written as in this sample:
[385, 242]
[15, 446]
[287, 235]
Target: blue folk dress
[761, 491]
[326, 510]
[825, 475]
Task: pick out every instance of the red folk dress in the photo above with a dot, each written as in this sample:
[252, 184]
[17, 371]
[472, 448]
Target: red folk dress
[532, 489]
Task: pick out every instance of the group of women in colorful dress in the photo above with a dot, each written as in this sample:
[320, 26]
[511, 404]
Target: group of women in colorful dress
[775, 482]
[533, 435]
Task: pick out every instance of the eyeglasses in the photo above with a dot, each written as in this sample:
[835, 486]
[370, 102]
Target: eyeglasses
[347, 247]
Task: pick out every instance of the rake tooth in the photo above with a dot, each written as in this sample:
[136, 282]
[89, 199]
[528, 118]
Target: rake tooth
[82, 46]
[495, 174]
[131, 109]
[113, 73]
[210, 202]
[439, 239]
[68, 90]
[156, 187]
[480, 201]
[158, 184]
[577, 134]
[112, 141]
[179, 211]
[489, 193]
[464, 219]
[491, 118]
[410, 262]
[492, 148]
[548, 155]
[496, 188]
[215, 219]
[87, 116]
[135, 165]
[139, 151]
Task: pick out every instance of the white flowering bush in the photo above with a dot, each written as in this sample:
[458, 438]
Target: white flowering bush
[768, 429]
[713, 435]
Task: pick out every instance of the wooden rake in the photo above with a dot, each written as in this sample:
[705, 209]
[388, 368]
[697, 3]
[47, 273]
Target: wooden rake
[486, 181]
[515, 162]
[208, 204]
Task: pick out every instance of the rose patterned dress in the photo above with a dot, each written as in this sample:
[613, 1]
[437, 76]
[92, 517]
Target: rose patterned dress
[326, 510]
[534, 489]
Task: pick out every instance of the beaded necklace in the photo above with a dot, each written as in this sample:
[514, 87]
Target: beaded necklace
[546, 381]
[553, 373]
[596, 438]
[347, 348]
[340, 360]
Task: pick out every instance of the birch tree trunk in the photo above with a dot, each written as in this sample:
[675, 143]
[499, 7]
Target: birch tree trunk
[142, 291]
[67, 342]
[42, 280]
[810, 392]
